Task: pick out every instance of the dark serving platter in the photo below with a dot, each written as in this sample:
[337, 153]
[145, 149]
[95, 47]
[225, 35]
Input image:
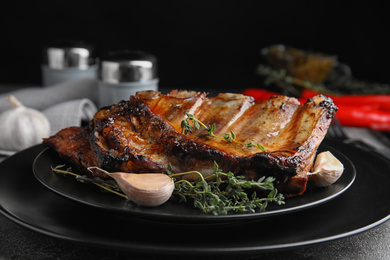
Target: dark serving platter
[173, 211]
[363, 205]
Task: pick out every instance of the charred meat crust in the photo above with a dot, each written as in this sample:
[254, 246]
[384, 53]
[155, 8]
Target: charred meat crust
[142, 134]
[326, 103]
[72, 145]
[177, 147]
[107, 135]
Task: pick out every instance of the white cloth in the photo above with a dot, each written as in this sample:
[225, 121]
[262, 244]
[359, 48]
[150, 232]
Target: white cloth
[42, 98]
[64, 104]
[69, 113]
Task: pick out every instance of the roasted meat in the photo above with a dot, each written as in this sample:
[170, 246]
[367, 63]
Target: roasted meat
[144, 134]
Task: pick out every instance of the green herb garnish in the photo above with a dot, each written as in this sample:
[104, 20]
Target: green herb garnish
[219, 193]
[186, 128]
[222, 193]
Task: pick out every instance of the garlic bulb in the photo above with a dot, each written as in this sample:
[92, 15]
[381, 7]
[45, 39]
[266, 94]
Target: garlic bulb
[326, 171]
[22, 127]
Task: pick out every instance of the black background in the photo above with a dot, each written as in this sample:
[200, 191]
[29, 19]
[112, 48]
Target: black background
[199, 44]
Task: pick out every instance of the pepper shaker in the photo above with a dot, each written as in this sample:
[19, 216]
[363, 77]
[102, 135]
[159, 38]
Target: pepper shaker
[123, 73]
[63, 63]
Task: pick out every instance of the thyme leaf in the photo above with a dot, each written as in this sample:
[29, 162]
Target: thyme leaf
[186, 128]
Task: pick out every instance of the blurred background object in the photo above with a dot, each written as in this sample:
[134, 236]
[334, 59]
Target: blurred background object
[66, 62]
[124, 73]
[199, 45]
[300, 64]
[292, 71]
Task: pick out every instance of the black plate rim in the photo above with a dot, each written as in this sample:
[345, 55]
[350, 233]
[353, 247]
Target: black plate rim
[185, 250]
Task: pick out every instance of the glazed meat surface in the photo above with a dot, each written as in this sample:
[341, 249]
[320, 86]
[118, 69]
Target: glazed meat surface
[144, 134]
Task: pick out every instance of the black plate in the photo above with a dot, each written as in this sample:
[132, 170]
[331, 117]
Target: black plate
[364, 205]
[173, 211]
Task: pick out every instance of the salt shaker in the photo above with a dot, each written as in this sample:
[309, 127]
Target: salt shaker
[66, 63]
[123, 73]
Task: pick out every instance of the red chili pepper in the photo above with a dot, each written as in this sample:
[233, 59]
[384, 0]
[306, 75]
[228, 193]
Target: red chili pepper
[364, 116]
[307, 93]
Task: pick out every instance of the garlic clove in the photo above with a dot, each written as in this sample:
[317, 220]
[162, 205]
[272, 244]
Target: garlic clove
[145, 189]
[326, 171]
[22, 127]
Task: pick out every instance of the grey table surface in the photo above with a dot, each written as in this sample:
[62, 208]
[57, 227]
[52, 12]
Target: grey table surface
[17, 242]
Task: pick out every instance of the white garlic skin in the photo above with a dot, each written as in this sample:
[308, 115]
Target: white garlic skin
[145, 189]
[326, 171]
[22, 127]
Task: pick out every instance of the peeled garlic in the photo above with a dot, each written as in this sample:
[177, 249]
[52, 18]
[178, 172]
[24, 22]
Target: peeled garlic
[326, 171]
[22, 127]
[145, 189]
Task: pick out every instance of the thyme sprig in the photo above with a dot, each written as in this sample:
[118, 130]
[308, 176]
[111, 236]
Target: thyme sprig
[109, 186]
[186, 128]
[221, 193]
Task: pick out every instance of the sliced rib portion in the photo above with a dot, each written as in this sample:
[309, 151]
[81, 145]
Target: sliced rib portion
[143, 134]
